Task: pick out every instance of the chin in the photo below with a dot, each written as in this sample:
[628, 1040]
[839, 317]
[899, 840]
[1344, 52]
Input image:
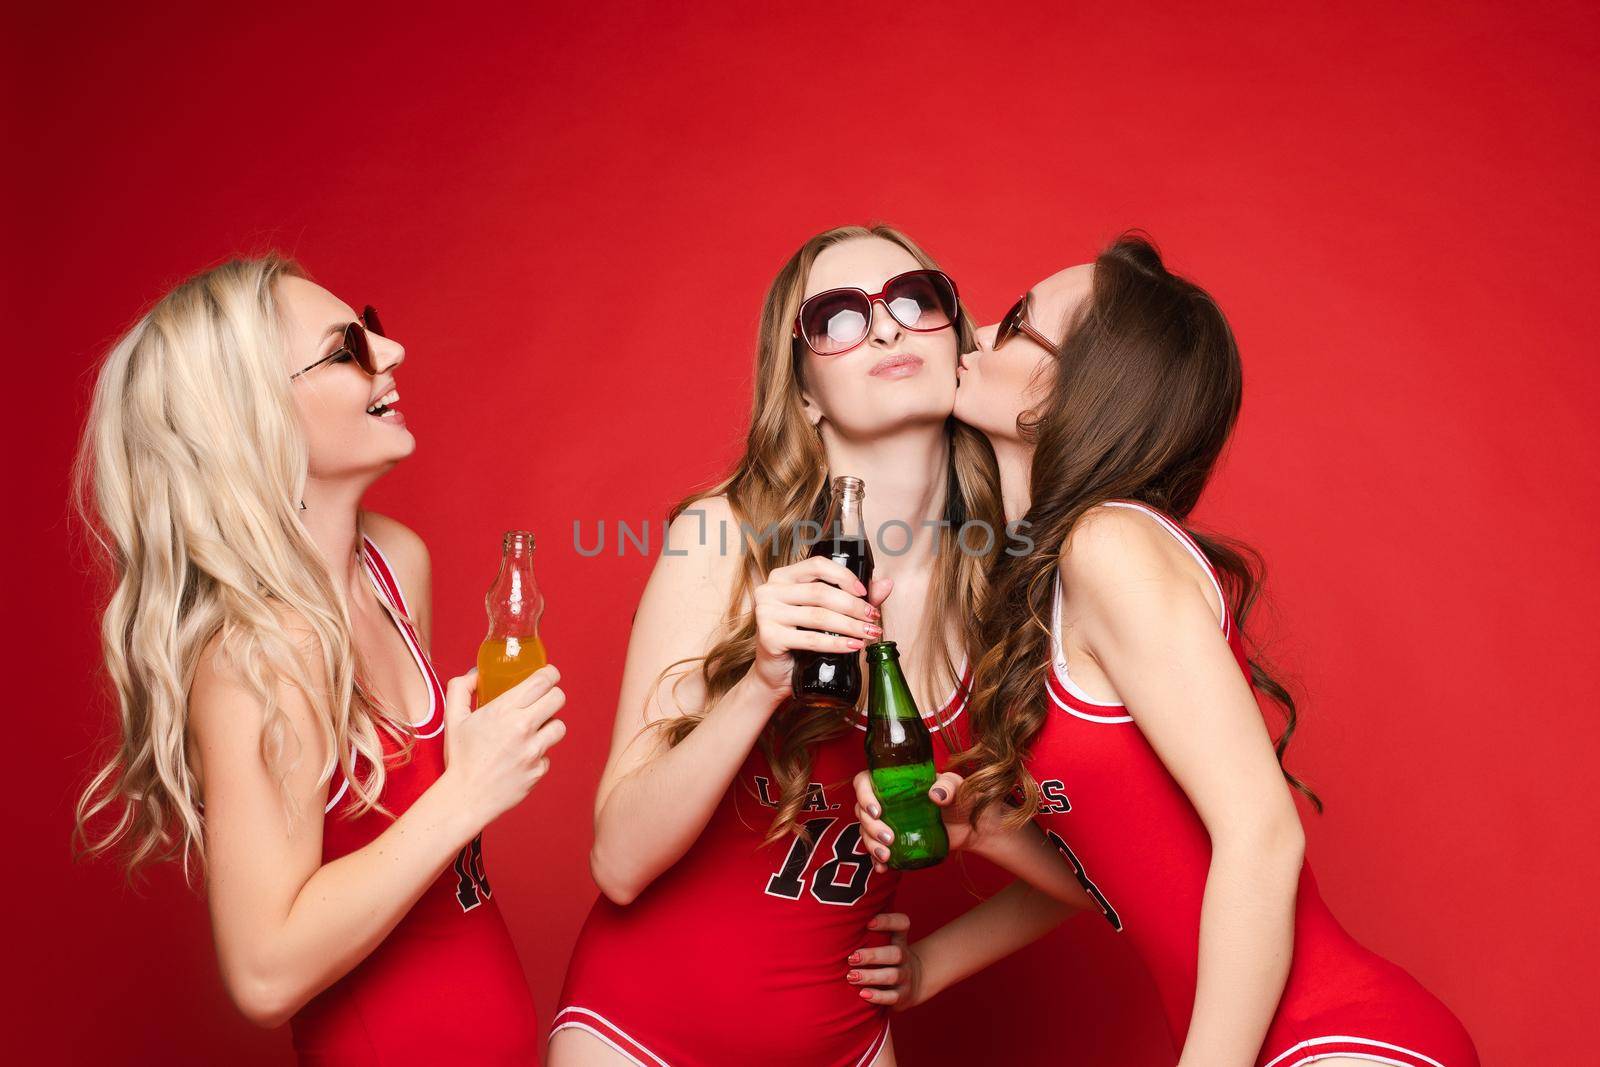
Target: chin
[390, 456]
[396, 445]
[964, 405]
[971, 411]
[930, 402]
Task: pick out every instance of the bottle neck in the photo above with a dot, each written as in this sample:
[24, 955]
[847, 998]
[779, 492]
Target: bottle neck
[889, 696]
[845, 520]
[514, 601]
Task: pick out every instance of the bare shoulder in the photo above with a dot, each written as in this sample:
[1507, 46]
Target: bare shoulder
[681, 614]
[686, 600]
[702, 548]
[407, 556]
[401, 546]
[226, 710]
[1111, 547]
[1125, 569]
[701, 524]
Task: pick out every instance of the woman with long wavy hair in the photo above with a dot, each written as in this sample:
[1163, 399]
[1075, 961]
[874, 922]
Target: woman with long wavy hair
[735, 886]
[282, 730]
[1116, 694]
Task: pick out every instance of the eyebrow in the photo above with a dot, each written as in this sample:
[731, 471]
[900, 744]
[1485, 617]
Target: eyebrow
[333, 333]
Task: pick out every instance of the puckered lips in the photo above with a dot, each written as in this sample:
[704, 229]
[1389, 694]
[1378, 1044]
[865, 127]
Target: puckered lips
[898, 365]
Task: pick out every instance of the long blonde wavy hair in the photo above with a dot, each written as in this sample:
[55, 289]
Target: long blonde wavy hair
[782, 479]
[188, 477]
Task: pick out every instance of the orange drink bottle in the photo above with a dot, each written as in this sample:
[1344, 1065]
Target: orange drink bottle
[512, 650]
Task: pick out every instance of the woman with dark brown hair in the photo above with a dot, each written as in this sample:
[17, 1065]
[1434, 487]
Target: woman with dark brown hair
[1114, 693]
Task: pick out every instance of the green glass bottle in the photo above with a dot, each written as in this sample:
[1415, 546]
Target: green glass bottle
[900, 757]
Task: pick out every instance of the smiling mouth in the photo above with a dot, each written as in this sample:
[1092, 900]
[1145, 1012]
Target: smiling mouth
[385, 404]
[896, 366]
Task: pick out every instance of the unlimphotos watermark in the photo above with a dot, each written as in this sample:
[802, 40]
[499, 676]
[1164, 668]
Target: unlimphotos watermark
[973, 537]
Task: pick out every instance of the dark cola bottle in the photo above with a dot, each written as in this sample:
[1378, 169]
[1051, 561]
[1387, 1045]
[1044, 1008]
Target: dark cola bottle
[833, 679]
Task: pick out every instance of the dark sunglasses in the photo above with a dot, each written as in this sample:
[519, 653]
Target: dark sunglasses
[835, 321]
[1015, 322]
[353, 345]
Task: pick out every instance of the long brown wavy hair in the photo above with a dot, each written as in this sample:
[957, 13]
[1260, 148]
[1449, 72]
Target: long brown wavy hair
[782, 479]
[1141, 404]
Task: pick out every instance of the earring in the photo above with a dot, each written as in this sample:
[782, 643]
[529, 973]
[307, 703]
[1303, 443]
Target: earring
[302, 505]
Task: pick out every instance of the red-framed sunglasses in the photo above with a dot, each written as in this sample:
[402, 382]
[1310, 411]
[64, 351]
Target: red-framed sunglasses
[837, 320]
[1016, 321]
[353, 345]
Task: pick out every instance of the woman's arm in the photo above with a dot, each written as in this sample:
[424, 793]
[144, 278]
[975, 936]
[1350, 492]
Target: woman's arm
[286, 924]
[904, 976]
[1138, 609]
[1047, 892]
[653, 801]
[1023, 851]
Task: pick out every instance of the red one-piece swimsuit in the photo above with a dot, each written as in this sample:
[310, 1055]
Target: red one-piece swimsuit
[445, 986]
[735, 956]
[1142, 852]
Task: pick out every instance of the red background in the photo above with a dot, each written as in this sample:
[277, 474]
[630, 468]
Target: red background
[569, 215]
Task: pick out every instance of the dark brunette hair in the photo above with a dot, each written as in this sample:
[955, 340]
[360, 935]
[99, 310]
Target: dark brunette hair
[1143, 399]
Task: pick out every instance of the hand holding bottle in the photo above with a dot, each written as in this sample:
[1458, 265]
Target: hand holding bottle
[496, 755]
[815, 605]
[881, 836]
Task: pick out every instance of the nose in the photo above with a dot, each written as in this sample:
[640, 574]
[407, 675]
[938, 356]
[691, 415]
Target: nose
[984, 335]
[885, 328]
[387, 352]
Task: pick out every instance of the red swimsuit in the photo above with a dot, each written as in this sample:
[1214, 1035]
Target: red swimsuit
[445, 986]
[1141, 850]
[735, 956]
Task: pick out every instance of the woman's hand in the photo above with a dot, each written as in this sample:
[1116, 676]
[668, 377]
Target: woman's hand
[1023, 850]
[880, 835]
[888, 974]
[815, 605]
[496, 755]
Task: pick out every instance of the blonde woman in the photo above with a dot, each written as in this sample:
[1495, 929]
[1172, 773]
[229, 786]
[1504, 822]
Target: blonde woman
[738, 891]
[281, 723]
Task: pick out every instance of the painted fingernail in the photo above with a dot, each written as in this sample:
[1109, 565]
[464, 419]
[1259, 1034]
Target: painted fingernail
[877, 812]
[855, 958]
[866, 994]
[883, 854]
[873, 613]
[886, 837]
[872, 923]
[938, 792]
[873, 631]
[855, 646]
[854, 977]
